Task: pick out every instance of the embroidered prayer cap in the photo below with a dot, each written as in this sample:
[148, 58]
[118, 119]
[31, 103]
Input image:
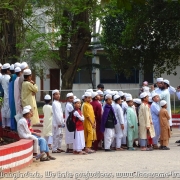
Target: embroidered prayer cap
[94, 94]
[89, 90]
[27, 72]
[47, 97]
[69, 95]
[162, 103]
[145, 83]
[159, 79]
[108, 96]
[24, 65]
[82, 97]
[129, 98]
[154, 94]
[121, 93]
[6, 66]
[143, 95]
[99, 92]
[76, 100]
[25, 111]
[12, 67]
[17, 69]
[27, 107]
[137, 101]
[150, 99]
[166, 81]
[88, 94]
[116, 97]
[55, 91]
[17, 64]
[0, 65]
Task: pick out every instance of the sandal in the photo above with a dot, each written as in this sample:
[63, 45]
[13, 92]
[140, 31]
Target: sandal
[146, 149]
[60, 150]
[39, 156]
[51, 158]
[89, 151]
[82, 153]
[56, 151]
[132, 149]
[45, 159]
[178, 141]
[119, 149]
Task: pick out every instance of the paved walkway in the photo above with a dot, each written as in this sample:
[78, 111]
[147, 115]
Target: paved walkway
[110, 165]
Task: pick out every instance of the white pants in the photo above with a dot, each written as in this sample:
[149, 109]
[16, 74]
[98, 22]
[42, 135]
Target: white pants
[49, 139]
[6, 122]
[119, 135]
[79, 142]
[57, 138]
[35, 141]
[124, 132]
[109, 135]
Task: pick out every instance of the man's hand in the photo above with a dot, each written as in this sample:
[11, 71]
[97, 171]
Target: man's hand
[33, 94]
[122, 126]
[152, 87]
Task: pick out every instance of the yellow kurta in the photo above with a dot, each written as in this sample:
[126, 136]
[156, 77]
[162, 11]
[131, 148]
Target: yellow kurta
[89, 132]
[27, 98]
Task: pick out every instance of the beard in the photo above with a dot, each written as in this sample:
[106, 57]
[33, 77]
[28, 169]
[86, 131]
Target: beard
[162, 88]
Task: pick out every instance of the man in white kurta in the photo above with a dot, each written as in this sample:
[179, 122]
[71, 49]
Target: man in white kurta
[5, 110]
[69, 136]
[17, 95]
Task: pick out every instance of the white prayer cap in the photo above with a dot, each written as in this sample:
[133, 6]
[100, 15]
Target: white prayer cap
[137, 101]
[69, 95]
[23, 65]
[47, 97]
[154, 94]
[76, 100]
[128, 95]
[55, 91]
[12, 67]
[121, 93]
[82, 97]
[166, 81]
[146, 89]
[89, 90]
[25, 111]
[116, 92]
[88, 94]
[17, 69]
[94, 94]
[112, 93]
[99, 92]
[75, 97]
[0, 65]
[162, 103]
[159, 79]
[150, 99]
[27, 107]
[6, 66]
[143, 95]
[108, 96]
[129, 98]
[27, 72]
[116, 97]
[107, 91]
[17, 64]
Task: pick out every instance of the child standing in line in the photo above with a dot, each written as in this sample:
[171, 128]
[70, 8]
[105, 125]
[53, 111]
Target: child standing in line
[58, 122]
[47, 124]
[165, 128]
[132, 124]
[78, 118]
[108, 123]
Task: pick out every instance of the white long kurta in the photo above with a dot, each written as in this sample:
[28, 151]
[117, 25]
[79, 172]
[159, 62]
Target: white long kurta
[47, 124]
[165, 95]
[17, 96]
[5, 85]
[69, 136]
[178, 95]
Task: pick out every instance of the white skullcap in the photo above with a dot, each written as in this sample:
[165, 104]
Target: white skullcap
[75, 97]
[6, 66]
[159, 79]
[27, 72]
[128, 95]
[154, 94]
[150, 99]
[76, 100]
[17, 64]
[82, 97]
[166, 81]
[69, 95]
[99, 92]
[25, 111]
[146, 89]
[55, 91]
[129, 98]
[47, 97]
[27, 107]
[0, 65]
[121, 93]
[89, 90]
[94, 94]
[112, 93]
[162, 103]
[12, 67]
[23, 65]
[107, 91]
[116, 92]
[116, 97]
[143, 95]
[17, 69]
[108, 96]
[145, 83]
[88, 94]
[137, 101]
